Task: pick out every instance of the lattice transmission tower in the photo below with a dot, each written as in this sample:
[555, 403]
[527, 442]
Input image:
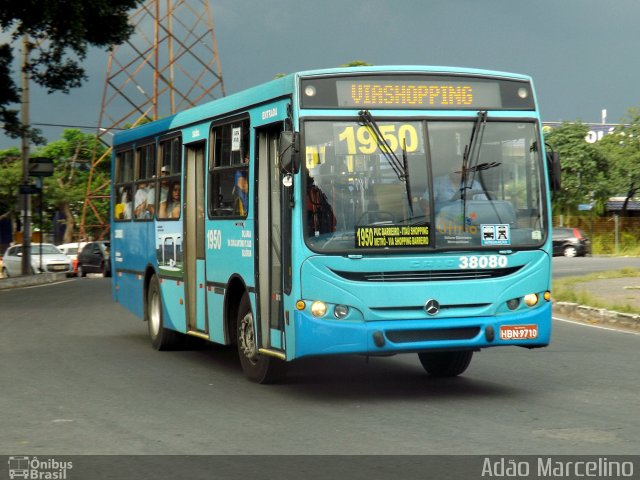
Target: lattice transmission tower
[170, 63]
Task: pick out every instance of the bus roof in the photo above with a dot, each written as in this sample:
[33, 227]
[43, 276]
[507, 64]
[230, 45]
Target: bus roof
[282, 87]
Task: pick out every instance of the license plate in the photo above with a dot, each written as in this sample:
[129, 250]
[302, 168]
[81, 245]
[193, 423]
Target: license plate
[518, 332]
[58, 267]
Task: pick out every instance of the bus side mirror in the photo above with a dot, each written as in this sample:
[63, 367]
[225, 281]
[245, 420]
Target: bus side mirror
[289, 148]
[553, 165]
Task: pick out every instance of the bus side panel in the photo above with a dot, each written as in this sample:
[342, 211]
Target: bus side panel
[129, 292]
[231, 253]
[174, 316]
[132, 250]
[215, 308]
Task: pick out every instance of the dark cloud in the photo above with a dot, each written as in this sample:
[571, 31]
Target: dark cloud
[579, 52]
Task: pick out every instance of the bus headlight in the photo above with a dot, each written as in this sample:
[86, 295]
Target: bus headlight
[531, 299]
[318, 308]
[340, 311]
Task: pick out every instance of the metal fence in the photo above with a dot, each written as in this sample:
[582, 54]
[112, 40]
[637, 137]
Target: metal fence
[614, 234]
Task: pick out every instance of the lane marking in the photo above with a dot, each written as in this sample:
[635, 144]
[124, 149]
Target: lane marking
[611, 329]
[18, 287]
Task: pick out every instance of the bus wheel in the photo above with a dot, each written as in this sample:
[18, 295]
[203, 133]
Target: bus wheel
[256, 367]
[445, 364]
[161, 338]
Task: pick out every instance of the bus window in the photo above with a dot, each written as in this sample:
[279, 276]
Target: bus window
[122, 209]
[168, 185]
[144, 196]
[124, 186]
[229, 170]
[146, 162]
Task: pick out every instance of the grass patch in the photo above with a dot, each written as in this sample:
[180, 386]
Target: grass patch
[569, 290]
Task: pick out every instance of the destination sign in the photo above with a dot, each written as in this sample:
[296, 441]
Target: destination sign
[392, 236]
[416, 92]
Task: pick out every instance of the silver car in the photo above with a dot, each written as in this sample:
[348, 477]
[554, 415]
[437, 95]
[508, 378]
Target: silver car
[53, 260]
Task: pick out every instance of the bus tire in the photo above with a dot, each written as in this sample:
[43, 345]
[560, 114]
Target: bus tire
[445, 364]
[257, 368]
[161, 338]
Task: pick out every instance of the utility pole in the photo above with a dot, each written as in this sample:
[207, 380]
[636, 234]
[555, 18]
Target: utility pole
[26, 198]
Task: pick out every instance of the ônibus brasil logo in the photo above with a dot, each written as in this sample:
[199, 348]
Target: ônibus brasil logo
[36, 469]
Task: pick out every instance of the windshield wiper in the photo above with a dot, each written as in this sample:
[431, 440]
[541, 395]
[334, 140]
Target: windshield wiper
[407, 183]
[401, 169]
[470, 158]
[385, 148]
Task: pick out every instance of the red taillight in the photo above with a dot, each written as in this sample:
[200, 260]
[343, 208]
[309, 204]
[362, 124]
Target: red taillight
[577, 234]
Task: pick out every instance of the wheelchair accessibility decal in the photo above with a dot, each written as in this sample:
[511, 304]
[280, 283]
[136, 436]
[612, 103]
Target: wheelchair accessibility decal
[499, 234]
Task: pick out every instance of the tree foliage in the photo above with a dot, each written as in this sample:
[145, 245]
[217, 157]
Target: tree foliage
[357, 63]
[622, 148]
[66, 189]
[584, 168]
[10, 178]
[59, 33]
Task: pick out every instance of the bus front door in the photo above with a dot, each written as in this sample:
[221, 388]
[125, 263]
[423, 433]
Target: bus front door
[269, 221]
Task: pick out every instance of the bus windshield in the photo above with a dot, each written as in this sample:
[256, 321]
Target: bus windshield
[418, 189]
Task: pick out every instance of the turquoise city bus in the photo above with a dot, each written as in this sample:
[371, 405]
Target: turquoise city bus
[366, 210]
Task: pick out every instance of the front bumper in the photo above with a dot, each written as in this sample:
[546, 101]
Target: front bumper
[332, 337]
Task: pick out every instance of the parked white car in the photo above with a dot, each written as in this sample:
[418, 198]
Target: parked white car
[53, 260]
[72, 250]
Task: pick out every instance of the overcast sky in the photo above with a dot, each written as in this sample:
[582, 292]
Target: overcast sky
[582, 54]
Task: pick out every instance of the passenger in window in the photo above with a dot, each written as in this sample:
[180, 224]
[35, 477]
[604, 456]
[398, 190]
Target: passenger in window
[172, 205]
[140, 201]
[122, 210]
[241, 189]
[240, 193]
[151, 201]
[320, 216]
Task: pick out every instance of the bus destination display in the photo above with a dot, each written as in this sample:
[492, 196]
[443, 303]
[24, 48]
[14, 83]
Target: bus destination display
[424, 92]
[392, 236]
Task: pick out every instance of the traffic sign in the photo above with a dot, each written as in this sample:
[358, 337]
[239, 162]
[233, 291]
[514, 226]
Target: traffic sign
[40, 167]
[29, 189]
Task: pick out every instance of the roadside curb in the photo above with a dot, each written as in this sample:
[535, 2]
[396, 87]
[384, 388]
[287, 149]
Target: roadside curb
[31, 280]
[596, 316]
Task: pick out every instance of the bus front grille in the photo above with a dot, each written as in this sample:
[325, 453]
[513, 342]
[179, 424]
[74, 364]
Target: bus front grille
[427, 275]
[439, 334]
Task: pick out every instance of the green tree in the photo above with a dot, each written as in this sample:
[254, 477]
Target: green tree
[622, 148]
[10, 178]
[584, 168]
[60, 33]
[66, 189]
[357, 63]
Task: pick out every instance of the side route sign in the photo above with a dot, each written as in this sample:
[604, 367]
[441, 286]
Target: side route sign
[40, 167]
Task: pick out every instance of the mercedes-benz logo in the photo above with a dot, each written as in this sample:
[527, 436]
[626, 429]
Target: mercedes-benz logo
[432, 307]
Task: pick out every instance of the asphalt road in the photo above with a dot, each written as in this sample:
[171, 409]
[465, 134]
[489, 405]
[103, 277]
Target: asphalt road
[78, 376]
[578, 266]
